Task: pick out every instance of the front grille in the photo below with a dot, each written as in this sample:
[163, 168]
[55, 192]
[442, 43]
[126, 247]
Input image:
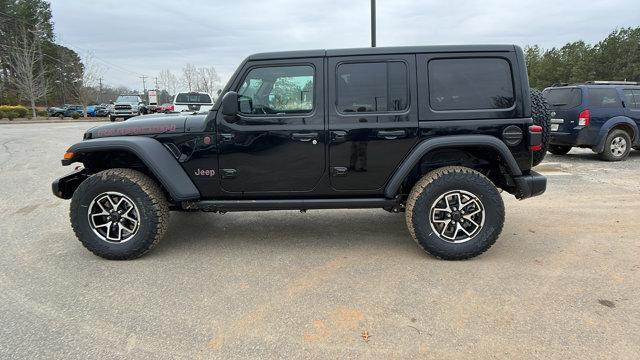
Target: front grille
[123, 107]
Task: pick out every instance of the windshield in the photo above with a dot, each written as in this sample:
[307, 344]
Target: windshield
[563, 98]
[132, 99]
[193, 98]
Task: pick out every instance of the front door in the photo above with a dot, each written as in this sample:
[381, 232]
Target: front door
[276, 143]
[373, 119]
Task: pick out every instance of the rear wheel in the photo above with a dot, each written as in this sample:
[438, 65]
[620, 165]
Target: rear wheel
[455, 213]
[542, 117]
[119, 214]
[617, 146]
[559, 149]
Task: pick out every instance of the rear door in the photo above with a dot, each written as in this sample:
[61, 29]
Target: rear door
[632, 104]
[372, 119]
[604, 103]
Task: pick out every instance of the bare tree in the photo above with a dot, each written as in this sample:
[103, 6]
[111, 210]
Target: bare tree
[168, 81]
[28, 76]
[190, 77]
[208, 80]
[85, 87]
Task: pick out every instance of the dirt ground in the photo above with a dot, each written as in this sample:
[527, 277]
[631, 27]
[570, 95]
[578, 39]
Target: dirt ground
[563, 280]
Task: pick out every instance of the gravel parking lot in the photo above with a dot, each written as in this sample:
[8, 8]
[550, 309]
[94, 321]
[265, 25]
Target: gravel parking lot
[563, 280]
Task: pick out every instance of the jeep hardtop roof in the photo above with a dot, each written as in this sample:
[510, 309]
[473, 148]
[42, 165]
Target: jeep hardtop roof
[380, 51]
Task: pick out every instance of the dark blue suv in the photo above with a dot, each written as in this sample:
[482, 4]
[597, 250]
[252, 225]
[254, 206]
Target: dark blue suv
[601, 115]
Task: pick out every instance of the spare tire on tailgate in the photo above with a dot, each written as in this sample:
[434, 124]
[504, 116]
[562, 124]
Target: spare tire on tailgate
[541, 116]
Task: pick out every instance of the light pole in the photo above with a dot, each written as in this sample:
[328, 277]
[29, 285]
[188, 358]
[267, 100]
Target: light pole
[373, 23]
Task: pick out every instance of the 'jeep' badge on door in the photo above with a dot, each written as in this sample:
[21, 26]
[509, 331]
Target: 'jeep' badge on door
[205, 172]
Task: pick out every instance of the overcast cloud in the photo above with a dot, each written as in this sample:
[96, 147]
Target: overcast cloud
[131, 38]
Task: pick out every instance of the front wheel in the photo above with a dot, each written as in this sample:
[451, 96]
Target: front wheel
[617, 146]
[119, 214]
[455, 213]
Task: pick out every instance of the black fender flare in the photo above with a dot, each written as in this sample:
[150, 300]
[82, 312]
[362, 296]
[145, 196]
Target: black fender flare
[152, 153]
[610, 124]
[429, 145]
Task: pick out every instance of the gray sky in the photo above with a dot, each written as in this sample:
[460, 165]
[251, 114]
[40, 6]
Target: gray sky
[135, 37]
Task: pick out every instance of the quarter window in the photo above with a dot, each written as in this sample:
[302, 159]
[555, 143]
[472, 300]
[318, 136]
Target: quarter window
[372, 87]
[607, 98]
[470, 84]
[277, 90]
[632, 98]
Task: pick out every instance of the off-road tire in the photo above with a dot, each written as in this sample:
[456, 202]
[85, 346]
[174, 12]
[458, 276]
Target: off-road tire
[607, 154]
[541, 116]
[559, 149]
[146, 195]
[438, 182]
[60, 116]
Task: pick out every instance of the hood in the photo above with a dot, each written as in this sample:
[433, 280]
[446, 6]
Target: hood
[141, 125]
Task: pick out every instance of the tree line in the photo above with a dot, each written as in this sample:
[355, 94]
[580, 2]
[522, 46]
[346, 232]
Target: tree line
[616, 57]
[37, 71]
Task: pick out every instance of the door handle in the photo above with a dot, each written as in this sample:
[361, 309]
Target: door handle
[338, 136]
[391, 134]
[227, 137]
[304, 136]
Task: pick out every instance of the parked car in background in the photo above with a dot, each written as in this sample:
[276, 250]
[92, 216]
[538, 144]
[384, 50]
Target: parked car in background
[127, 106]
[166, 108]
[102, 110]
[192, 101]
[601, 115]
[65, 111]
[91, 110]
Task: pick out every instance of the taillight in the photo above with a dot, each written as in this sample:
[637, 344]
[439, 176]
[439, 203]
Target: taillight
[535, 137]
[584, 117]
[170, 107]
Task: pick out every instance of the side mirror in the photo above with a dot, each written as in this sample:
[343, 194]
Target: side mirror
[230, 104]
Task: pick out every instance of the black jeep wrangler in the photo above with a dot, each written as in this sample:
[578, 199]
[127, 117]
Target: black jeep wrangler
[431, 131]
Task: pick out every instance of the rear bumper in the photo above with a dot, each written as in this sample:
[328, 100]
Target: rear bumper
[65, 186]
[581, 137]
[532, 184]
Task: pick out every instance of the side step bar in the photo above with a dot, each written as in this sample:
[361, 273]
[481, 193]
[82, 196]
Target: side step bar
[289, 204]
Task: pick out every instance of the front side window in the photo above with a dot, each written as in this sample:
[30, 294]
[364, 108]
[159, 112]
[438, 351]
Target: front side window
[607, 98]
[372, 87]
[470, 84]
[277, 90]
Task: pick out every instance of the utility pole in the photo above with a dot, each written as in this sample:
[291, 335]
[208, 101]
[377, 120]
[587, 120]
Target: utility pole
[144, 86]
[373, 23]
[100, 93]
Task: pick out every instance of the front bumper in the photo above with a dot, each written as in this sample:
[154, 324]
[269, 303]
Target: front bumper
[65, 186]
[532, 184]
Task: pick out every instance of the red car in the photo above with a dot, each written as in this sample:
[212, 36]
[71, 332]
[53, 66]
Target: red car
[165, 108]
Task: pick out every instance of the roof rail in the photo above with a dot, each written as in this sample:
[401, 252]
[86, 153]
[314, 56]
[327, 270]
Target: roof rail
[598, 82]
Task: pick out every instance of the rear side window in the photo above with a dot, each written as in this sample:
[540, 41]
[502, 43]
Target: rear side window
[372, 87]
[193, 98]
[607, 98]
[563, 98]
[470, 84]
